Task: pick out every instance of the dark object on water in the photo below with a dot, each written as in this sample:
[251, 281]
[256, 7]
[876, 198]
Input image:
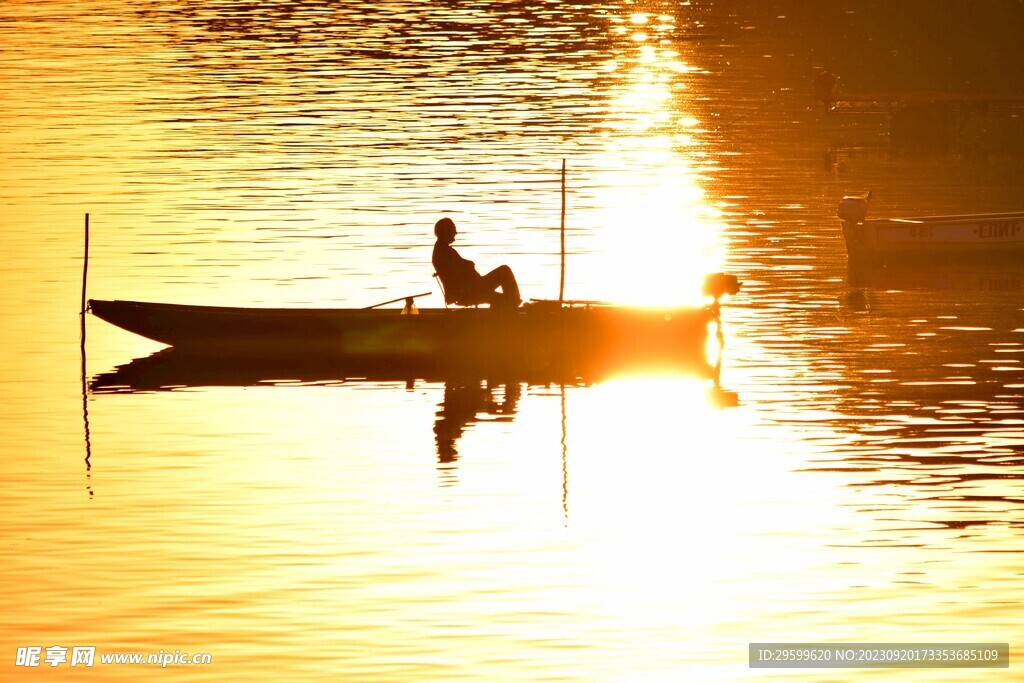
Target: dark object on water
[856, 300]
[972, 236]
[824, 88]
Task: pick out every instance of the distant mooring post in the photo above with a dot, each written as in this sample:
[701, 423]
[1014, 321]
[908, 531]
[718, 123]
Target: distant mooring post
[561, 282]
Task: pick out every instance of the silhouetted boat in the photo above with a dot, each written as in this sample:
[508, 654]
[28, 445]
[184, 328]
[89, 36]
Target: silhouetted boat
[539, 334]
[969, 236]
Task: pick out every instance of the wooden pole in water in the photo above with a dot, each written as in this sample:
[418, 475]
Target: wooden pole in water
[565, 466]
[85, 386]
[85, 264]
[561, 283]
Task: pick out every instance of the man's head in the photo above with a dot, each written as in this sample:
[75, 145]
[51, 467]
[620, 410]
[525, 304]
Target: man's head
[444, 230]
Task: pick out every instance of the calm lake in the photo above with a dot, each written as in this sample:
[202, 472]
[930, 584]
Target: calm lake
[855, 478]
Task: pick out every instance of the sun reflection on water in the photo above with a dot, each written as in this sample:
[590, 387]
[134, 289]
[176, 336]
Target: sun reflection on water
[682, 510]
[658, 235]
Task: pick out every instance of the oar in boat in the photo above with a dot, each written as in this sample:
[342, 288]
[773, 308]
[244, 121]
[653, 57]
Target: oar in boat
[407, 299]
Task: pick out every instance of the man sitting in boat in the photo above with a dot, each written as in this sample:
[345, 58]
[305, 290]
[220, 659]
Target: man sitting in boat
[462, 283]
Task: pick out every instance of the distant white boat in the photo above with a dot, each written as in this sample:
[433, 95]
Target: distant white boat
[967, 236]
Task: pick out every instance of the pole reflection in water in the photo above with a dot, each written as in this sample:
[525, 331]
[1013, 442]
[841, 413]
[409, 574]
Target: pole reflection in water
[83, 310]
[565, 461]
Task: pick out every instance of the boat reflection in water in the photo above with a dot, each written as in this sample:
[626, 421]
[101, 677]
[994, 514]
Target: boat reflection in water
[964, 276]
[939, 340]
[472, 392]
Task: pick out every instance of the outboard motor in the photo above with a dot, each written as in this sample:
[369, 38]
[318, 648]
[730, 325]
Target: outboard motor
[854, 210]
[718, 285]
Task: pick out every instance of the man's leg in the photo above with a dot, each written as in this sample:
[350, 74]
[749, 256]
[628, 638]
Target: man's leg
[502, 277]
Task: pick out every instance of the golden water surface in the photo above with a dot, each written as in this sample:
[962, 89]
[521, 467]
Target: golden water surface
[864, 488]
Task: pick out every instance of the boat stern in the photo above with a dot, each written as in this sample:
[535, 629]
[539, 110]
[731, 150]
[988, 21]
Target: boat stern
[853, 214]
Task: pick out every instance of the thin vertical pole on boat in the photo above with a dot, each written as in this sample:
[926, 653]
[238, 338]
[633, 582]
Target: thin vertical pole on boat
[561, 282]
[85, 266]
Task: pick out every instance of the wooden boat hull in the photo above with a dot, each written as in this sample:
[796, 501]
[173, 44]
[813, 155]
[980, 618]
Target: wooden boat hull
[534, 335]
[936, 237]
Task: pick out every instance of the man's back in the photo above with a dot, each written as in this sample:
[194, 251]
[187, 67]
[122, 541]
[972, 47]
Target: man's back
[458, 275]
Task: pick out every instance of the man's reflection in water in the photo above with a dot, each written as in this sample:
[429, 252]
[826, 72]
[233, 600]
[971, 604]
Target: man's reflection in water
[463, 404]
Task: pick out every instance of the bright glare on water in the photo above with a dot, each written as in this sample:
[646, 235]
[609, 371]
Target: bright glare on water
[853, 477]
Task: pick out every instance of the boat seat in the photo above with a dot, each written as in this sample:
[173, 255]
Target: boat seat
[450, 300]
